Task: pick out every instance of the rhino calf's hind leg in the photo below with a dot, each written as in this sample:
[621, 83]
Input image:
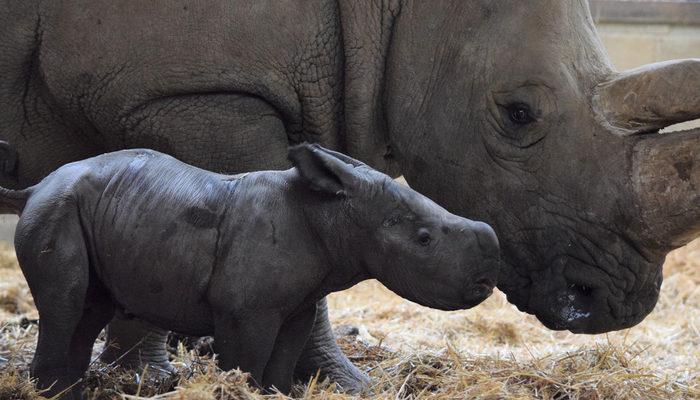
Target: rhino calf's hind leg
[132, 343]
[54, 261]
[98, 311]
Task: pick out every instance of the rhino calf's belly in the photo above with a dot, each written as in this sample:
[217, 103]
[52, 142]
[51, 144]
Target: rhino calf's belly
[172, 301]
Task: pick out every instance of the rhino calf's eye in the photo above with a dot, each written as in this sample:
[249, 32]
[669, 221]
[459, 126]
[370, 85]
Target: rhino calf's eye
[424, 237]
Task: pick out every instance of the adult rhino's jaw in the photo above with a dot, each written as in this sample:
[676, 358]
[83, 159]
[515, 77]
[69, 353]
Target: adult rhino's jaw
[585, 277]
[585, 302]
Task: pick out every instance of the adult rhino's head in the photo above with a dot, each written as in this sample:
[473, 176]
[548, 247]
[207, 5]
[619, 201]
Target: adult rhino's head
[510, 112]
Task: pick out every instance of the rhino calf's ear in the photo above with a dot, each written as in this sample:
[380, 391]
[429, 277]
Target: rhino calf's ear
[324, 172]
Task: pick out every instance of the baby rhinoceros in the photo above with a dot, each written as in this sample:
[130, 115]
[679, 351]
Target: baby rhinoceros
[244, 258]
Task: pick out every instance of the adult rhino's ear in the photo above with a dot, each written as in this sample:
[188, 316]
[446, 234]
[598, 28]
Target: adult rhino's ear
[324, 171]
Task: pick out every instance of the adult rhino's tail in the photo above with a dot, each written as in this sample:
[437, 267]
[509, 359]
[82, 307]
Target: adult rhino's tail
[13, 201]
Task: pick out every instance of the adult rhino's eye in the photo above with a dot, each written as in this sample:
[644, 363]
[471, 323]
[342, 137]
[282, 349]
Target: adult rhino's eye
[424, 237]
[520, 114]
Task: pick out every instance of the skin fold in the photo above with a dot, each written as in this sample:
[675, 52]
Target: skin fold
[243, 258]
[505, 111]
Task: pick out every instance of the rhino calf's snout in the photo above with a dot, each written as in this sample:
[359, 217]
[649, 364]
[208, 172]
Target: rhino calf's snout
[490, 254]
[478, 244]
[487, 240]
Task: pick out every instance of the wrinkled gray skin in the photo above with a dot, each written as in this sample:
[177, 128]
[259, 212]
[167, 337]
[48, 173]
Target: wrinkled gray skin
[242, 258]
[508, 111]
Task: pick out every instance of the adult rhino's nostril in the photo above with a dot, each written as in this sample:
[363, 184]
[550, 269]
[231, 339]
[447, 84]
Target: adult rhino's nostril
[573, 306]
[582, 290]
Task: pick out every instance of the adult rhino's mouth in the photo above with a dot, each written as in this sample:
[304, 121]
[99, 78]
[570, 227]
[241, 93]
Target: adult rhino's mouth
[575, 295]
[588, 303]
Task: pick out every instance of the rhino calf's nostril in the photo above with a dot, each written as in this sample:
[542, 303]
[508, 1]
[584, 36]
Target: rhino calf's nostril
[490, 282]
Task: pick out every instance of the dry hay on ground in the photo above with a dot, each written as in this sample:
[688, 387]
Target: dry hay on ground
[490, 352]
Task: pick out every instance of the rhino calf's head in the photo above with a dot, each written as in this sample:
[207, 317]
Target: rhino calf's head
[410, 244]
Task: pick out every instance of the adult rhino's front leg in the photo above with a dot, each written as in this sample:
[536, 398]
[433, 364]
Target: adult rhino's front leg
[134, 344]
[322, 353]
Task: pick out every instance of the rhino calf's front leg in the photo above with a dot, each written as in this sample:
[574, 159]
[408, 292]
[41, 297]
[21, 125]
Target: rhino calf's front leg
[246, 341]
[290, 342]
[144, 344]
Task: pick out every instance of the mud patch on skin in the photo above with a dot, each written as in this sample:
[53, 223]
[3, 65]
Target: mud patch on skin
[199, 217]
[168, 232]
[684, 169]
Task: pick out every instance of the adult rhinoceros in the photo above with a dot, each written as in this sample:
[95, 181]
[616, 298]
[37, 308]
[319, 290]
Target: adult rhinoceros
[506, 111]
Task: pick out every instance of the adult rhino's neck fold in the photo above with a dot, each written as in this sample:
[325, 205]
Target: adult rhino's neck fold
[366, 38]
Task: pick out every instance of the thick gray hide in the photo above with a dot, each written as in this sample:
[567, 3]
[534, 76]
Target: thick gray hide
[508, 111]
[242, 258]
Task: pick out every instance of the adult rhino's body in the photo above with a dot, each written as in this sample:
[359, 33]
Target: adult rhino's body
[506, 111]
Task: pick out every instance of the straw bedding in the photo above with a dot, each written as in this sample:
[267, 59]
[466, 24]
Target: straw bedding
[490, 352]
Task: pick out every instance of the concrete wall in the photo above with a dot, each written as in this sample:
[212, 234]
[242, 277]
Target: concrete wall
[632, 45]
[638, 32]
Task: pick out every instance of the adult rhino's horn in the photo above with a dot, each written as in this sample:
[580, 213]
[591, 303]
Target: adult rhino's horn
[649, 98]
[666, 178]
